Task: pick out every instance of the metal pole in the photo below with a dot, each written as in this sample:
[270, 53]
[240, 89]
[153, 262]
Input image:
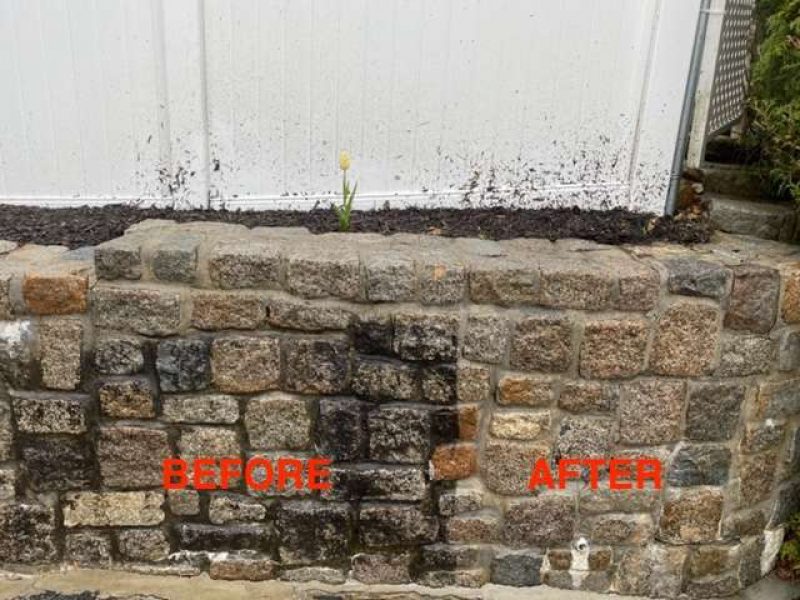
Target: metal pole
[688, 108]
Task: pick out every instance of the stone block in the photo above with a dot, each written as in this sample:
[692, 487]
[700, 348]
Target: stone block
[756, 476]
[131, 457]
[713, 410]
[621, 529]
[686, 340]
[243, 565]
[50, 412]
[329, 575]
[506, 465]
[540, 521]
[713, 587]
[613, 349]
[692, 277]
[233, 508]
[8, 483]
[754, 299]
[515, 389]
[148, 545]
[321, 272]
[6, 305]
[580, 437]
[118, 355]
[639, 288]
[691, 517]
[233, 265]
[440, 279]
[28, 533]
[520, 425]
[791, 296]
[793, 453]
[453, 461]
[316, 365]
[447, 557]
[650, 411]
[696, 464]
[780, 399]
[399, 434]
[60, 351]
[120, 258]
[395, 525]
[88, 549]
[213, 310]
[175, 258]
[373, 334]
[243, 364]
[313, 532]
[439, 384]
[426, 337]
[278, 421]
[306, 316]
[16, 353]
[55, 293]
[385, 483]
[746, 355]
[6, 432]
[210, 408]
[183, 364]
[503, 282]
[758, 437]
[382, 379]
[219, 538]
[789, 351]
[184, 502]
[744, 523]
[603, 499]
[486, 338]
[517, 568]
[576, 283]
[456, 423]
[341, 429]
[542, 344]
[711, 560]
[474, 384]
[387, 569]
[477, 528]
[57, 463]
[786, 504]
[654, 570]
[460, 500]
[390, 277]
[146, 311]
[216, 442]
[113, 509]
[127, 398]
[587, 397]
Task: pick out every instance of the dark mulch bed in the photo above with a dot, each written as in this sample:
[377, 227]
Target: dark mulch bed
[86, 226]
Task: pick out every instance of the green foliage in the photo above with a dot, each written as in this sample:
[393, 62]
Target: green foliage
[790, 550]
[775, 96]
[343, 212]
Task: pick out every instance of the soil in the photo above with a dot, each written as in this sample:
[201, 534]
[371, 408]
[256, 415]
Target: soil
[88, 226]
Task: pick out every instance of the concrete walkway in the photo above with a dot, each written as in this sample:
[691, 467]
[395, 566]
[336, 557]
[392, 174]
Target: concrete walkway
[131, 586]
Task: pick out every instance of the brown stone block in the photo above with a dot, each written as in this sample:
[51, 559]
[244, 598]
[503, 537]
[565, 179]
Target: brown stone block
[56, 294]
[453, 461]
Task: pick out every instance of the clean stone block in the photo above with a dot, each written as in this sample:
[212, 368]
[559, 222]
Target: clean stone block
[576, 283]
[713, 410]
[145, 311]
[236, 265]
[473, 384]
[506, 465]
[686, 340]
[542, 344]
[175, 258]
[307, 316]
[754, 300]
[278, 421]
[746, 355]
[242, 364]
[691, 517]
[540, 521]
[441, 279]
[60, 352]
[486, 338]
[113, 509]
[131, 457]
[119, 259]
[503, 282]
[520, 425]
[319, 272]
[613, 349]
[57, 293]
[390, 277]
[210, 408]
[213, 310]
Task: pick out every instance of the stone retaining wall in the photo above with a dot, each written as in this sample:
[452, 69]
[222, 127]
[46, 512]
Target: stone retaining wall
[433, 372]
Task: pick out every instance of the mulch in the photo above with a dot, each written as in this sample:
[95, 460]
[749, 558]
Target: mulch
[88, 226]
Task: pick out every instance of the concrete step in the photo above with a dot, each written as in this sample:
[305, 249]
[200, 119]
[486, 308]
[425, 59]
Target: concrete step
[733, 180]
[759, 219]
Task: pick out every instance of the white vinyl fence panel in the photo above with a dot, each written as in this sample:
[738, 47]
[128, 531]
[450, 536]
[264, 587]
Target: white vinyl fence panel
[247, 103]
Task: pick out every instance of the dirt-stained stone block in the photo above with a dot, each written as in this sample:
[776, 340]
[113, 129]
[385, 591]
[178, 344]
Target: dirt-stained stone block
[486, 338]
[713, 410]
[242, 364]
[745, 355]
[316, 365]
[542, 344]
[341, 429]
[503, 282]
[373, 334]
[119, 259]
[779, 399]
[711, 560]
[517, 568]
[221, 538]
[756, 476]
[456, 423]
[789, 351]
[462, 499]
[313, 532]
[175, 258]
[650, 411]
[587, 397]
[399, 434]
[655, 570]
[758, 437]
[234, 265]
[390, 277]
[145, 311]
[368, 482]
[57, 462]
[476, 528]
[699, 464]
[321, 272]
[540, 521]
[213, 442]
[580, 437]
[382, 379]
[278, 421]
[131, 457]
[88, 549]
[791, 295]
[8, 483]
[453, 461]
[621, 529]
[474, 384]
[506, 465]
[440, 279]
[691, 517]
[576, 283]
[60, 352]
[691, 277]
[125, 398]
[613, 349]
[28, 533]
[6, 305]
[183, 365]
[395, 525]
[113, 509]
[118, 355]
[234, 508]
[438, 384]
[686, 340]
[520, 425]
[50, 412]
[306, 316]
[56, 293]
[149, 545]
[426, 337]
[754, 299]
[243, 565]
[210, 408]
[184, 502]
[213, 311]
[388, 569]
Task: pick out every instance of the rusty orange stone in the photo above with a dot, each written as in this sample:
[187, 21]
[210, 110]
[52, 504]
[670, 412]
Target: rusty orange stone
[57, 294]
[468, 420]
[453, 461]
[791, 296]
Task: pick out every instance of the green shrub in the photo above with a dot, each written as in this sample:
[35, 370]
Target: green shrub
[789, 555]
[775, 96]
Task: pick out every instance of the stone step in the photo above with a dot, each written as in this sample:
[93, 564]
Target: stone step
[758, 219]
[734, 180]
